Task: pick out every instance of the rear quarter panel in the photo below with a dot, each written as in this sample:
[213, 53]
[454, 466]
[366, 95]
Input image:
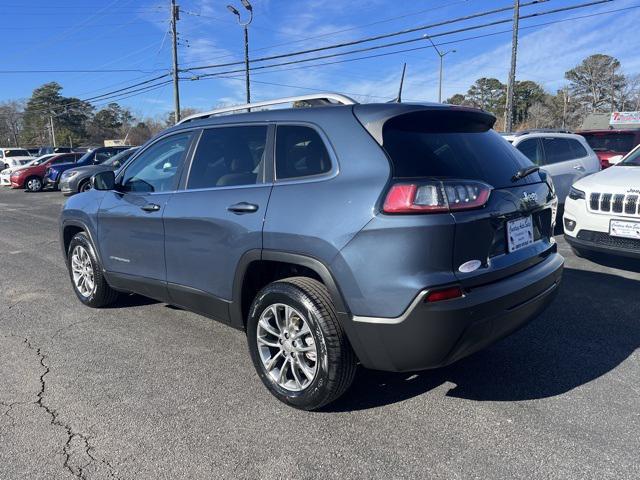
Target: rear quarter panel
[319, 217]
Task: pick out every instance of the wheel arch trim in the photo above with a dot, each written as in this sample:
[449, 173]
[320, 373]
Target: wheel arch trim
[302, 260]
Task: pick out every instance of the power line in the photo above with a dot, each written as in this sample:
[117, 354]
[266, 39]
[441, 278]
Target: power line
[116, 70]
[401, 42]
[378, 37]
[405, 50]
[335, 32]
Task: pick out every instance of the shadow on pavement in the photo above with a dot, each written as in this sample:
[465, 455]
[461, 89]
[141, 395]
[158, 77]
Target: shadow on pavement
[590, 328]
[621, 263]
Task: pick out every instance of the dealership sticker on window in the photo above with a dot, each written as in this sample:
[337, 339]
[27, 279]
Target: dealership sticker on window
[620, 228]
[519, 233]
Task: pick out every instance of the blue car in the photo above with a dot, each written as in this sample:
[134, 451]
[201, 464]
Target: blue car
[399, 237]
[53, 173]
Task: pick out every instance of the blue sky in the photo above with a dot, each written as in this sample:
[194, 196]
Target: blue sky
[129, 34]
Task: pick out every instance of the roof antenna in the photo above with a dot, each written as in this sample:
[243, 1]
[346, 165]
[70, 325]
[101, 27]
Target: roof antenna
[399, 99]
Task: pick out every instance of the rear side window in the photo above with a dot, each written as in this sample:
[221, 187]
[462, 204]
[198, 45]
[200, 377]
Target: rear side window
[300, 152]
[559, 150]
[531, 149]
[229, 156]
[451, 144]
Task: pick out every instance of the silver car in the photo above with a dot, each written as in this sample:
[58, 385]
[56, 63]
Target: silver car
[565, 156]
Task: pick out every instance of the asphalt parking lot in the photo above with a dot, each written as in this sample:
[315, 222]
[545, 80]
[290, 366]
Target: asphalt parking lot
[147, 391]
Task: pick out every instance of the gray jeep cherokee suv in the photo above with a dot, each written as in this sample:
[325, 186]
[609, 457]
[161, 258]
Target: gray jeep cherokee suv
[398, 236]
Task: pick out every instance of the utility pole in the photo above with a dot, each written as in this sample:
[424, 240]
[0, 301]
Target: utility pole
[508, 114]
[565, 101]
[53, 132]
[175, 16]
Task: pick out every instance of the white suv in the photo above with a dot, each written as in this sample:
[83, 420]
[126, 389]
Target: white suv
[13, 157]
[565, 156]
[601, 212]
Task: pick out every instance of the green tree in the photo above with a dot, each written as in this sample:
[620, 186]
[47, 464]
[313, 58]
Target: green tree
[487, 94]
[457, 99]
[526, 94]
[111, 122]
[595, 81]
[69, 116]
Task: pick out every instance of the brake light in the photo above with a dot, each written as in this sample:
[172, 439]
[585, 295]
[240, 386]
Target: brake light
[443, 294]
[436, 196]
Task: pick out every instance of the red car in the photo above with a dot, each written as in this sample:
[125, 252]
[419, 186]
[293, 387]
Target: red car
[30, 178]
[609, 143]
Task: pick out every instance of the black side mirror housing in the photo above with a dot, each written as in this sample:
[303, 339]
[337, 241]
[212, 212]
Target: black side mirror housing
[104, 180]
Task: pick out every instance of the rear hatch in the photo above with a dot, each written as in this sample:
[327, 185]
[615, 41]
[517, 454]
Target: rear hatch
[512, 229]
[610, 143]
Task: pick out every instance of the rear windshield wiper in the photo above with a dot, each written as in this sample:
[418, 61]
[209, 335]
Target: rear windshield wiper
[524, 172]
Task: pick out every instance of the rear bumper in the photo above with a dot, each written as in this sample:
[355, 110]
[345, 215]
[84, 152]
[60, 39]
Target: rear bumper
[48, 183]
[430, 335]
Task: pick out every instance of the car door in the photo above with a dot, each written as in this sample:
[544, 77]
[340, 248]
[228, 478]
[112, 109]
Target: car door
[217, 216]
[130, 228]
[561, 163]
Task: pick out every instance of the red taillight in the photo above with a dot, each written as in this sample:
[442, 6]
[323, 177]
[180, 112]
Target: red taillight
[436, 196]
[443, 294]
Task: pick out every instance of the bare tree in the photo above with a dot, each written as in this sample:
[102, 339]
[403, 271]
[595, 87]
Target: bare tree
[11, 115]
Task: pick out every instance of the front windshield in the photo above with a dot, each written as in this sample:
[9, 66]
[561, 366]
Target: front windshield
[41, 159]
[632, 160]
[84, 157]
[120, 158]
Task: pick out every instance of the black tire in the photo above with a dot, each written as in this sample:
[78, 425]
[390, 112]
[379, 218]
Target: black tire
[33, 184]
[102, 294]
[84, 186]
[335, 361]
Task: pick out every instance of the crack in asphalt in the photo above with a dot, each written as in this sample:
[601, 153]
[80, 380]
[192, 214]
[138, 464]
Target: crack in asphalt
[79, 471]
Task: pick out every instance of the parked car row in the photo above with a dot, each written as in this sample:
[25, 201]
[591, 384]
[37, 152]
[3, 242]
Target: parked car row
[67, 171]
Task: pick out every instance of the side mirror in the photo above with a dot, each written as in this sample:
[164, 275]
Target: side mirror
[104, 181]
[616, 159]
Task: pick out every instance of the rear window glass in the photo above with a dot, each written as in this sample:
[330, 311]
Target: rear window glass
[451, 144]
[16, 153]
[300, 152]
[610, 142]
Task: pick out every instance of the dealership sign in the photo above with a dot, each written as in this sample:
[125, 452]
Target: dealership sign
[625, 118]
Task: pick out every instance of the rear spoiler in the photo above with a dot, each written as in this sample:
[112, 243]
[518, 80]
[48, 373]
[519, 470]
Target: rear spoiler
[436, 117]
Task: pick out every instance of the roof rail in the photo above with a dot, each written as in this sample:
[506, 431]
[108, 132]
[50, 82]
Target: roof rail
[541, 130]
[314, 99]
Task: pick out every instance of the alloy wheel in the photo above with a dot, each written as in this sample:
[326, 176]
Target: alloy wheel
[34, 184]
[286, 347]
[82, 270]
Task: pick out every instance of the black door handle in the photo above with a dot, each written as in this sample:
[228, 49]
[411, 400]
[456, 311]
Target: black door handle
[243, 207]
[150, 207]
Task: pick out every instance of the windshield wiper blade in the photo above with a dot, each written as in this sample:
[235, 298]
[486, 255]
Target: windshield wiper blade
[524, 172]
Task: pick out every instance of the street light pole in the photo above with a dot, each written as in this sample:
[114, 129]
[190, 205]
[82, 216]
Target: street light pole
[245, 26]
[441, 55]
